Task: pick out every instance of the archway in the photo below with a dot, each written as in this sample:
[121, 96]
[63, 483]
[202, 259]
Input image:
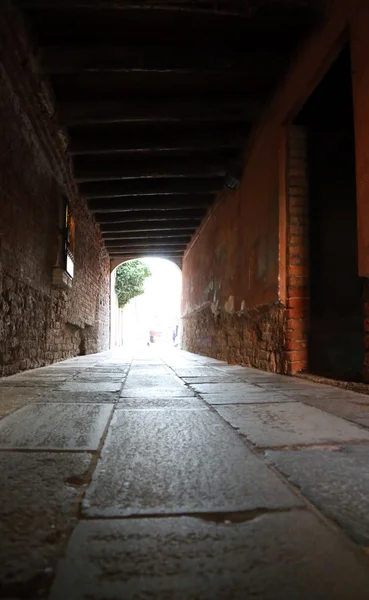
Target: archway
[154, 316]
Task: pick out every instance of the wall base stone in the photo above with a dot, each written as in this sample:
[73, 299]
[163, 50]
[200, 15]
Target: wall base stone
[254, 338]
[35, 331]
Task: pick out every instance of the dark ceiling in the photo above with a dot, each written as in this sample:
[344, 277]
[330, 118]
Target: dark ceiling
[158, 99]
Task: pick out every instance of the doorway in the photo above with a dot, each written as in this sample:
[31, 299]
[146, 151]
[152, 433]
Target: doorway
[336, 328]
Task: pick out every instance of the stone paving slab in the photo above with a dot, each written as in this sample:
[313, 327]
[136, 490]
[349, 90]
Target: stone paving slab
[13, 398]
[292, 387]
[196, 372]
[78, 397]
[37, 512]
[337, 482]
[212, 379]
[286, 556]
[250, 397]
[44, 373]
[354, 408]
[95, 386]
[226, 368]
[55, 426]
[289, 424]
[32, 382]
[145, 370]
[150, 403]
[115, 382]
[156, 392]
[150, 381]
[111, 372]
[223, 388]
[362, 420]
[178, 462]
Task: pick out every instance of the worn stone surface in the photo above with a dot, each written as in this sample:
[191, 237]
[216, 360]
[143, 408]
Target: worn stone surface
[157, 392]
[98, 378]
[193, 371]
[147, 372]
[88, 386]
[150, 403]
[273, 557]
[39, 497]
[253, 397]
[294, 386]
[13, 398]
[178, 461]
[354, 407]
[149, 381]
[78, 397]
[337, 482]
[211, 379]
[168, 455]
[32, 382]
[55, 426]
[288, 424]
[223, 388]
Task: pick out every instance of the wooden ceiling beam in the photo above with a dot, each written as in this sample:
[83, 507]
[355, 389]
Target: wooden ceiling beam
[160, 58]
[148, 252]
[150, 215]
[142, 187]
[222, 8]
[166, 110]
[174, 226]
[90, 169]
[155, 247]
[149, 236]
[145, 244]
[154, 202]
[158, 143]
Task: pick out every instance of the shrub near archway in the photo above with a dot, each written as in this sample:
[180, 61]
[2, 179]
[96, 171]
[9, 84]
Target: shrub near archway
[129, 281]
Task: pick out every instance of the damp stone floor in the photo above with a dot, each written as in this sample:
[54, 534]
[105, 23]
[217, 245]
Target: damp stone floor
[172, 476]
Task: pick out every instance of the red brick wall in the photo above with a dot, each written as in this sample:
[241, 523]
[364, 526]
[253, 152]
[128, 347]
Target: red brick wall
[232, 268]
[297, 251]
[40, 324]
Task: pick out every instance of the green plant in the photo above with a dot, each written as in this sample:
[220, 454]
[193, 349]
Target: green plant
[129, 281]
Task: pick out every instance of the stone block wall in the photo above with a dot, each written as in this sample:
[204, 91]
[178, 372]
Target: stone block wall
[254, 338]
[41, 323]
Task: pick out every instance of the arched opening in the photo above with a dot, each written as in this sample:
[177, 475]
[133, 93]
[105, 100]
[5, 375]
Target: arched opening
[151, 318]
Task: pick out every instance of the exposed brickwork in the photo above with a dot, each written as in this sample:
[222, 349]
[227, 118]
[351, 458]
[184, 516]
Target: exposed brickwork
[366, 329]
[40, 324]
[297, 260]
[253, 338]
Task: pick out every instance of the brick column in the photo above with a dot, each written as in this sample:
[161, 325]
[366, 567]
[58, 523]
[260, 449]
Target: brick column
[297, 250]
[366, 328]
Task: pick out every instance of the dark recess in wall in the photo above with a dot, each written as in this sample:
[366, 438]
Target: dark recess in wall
[336, 324]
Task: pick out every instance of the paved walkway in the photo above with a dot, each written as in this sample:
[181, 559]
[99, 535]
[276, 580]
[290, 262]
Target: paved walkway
[181, 478]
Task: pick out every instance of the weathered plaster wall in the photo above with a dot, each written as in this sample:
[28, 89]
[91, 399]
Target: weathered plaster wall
[230, 275]
[39, 323]
[231, 272]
